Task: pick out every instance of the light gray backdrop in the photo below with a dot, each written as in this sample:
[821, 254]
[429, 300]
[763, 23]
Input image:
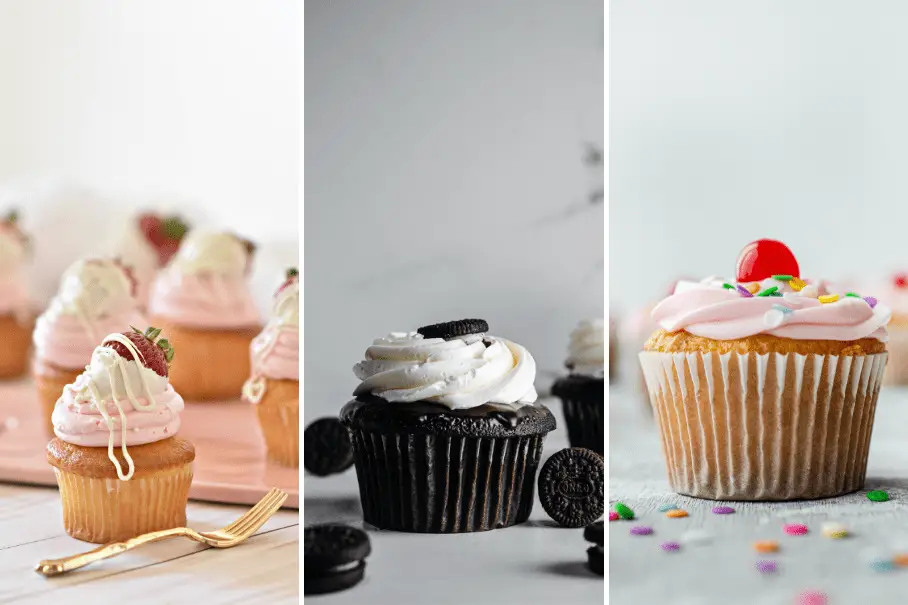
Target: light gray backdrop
[444, 175]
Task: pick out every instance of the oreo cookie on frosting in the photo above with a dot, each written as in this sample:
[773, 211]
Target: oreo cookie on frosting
[447, 432]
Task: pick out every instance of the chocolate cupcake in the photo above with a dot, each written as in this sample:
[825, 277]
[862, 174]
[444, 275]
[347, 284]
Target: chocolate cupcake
[446, 431]
[582, 392]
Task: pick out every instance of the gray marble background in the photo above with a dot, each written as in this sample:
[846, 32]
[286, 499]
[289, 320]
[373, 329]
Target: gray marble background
[445, 176]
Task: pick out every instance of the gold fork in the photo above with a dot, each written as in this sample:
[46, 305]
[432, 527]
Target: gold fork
[225, 537]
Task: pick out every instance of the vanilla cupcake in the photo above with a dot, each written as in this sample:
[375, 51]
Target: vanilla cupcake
[274, 384]
[16, 314]
[121, 469]
[203, 302]
[765, 388]
[582, 392]
[894, 294]
[95, 298]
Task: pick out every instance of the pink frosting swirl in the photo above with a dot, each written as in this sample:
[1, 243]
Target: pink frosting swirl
[276, 353]
[81, 423]
[203, 300]
[707, 309]
[66, 342]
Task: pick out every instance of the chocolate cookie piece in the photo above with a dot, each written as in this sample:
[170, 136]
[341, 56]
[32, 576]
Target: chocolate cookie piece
[595, 559]
[327, 448]
[333, 557]
[572, 487]
[595, 533]
[454, 329]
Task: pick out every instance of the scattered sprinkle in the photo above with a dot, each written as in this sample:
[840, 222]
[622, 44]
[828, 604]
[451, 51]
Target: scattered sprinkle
[782, 277]
[728, 286]
[795, 529]
[670, 546]
[766, 546]
[753, 287]
[676, 514]
[624, 511]
[769, 291]
[870, 301]
[723, 510]
[901, 560]
[878, 495]
[767, 566]
[782, 308]
[641, 530]
[796, 284]
[667, 507]
[744, 291]
[811, 597]
[828, 298]
[852, 294]
[613, 516]
[882, 565]
[696, 536]
[834, 530]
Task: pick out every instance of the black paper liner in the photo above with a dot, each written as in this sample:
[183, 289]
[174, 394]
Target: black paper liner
[445, 483]
[585, 423]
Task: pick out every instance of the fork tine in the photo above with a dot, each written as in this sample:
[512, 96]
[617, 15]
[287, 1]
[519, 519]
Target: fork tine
[265, 506]
[251, 522]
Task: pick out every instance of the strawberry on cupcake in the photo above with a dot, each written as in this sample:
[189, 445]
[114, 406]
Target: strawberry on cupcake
[148, 245]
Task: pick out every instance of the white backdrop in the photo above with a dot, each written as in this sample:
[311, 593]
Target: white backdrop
[109, 107]
[732, 121]
[444, 175]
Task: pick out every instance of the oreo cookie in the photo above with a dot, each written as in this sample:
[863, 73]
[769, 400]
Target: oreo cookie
[454, 329]
[333, 557]
[595, 559]
[572, 487]
[326, 447]
[595, 533]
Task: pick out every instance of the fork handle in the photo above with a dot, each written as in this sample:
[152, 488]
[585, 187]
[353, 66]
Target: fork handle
[56, 567]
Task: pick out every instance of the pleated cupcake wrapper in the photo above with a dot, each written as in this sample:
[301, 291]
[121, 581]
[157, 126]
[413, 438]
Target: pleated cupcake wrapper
[897, 367]
[444, 483]
[584, 421]
[280, 429]
[102, 510]
[764, 427]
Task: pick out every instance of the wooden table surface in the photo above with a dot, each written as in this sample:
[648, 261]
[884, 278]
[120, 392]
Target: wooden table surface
[264, 569]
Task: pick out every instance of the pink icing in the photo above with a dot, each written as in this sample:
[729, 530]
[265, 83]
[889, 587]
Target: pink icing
[710, 311]
[63, 340]
[203, 301]
[13, 296]
[280, 360]
[82, 423]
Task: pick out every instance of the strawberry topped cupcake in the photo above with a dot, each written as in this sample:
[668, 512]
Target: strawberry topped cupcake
[765, 388]
[274, 385]
[121, 469]
[148, 245]
[16, 314]
[204, 303]
[96, 297]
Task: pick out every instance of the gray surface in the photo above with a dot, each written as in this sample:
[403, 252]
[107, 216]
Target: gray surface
[722, 570]
[536, 562]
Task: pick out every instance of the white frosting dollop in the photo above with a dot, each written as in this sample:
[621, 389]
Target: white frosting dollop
[286, 309]
[458, 373]
[586, 353]
[91, 289]
[213, 252]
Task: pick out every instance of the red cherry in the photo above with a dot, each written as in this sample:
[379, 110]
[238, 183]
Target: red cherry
[901, 280]
[765, 258]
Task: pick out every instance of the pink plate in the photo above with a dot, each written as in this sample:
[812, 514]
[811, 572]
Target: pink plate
[230, 464]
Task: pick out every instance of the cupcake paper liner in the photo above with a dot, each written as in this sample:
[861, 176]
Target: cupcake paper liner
[445, 483]
[897, 369]
[764, 427]
[584, 421]
[278, 414]
[109, 510]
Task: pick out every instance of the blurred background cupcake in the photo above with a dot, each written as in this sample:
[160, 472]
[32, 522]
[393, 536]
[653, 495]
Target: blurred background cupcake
[894, 294]
[147, 244]
[582, 392]
[16, 311]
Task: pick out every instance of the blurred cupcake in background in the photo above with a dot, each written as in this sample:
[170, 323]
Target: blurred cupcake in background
[16, 313]
[613, 349]
[582, 392]
[203, 302]
[894, 294]
[96, 297]
[147, 245]
[274, 386]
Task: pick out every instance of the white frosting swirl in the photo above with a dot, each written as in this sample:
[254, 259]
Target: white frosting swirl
[586, 353]
[91, 289]
[214, 252]
[458, 373]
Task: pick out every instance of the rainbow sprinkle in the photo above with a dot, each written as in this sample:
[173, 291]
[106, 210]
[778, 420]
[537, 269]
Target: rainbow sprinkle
[834, 530]
[728, 286]
[882, 565]
[811, 597]
[796, 284]
[624, 510]
[613, 516]
[723, 510]
[667, 507]
[766, 566]
[852, 294]
[877, 495]
[744, 291]
[783, 309]
[796, 529]
[782, 277]
[828, 298]
[670, 546]
[870, 301]
[641, 530]
[766, 546]
[753, 287]
[769, 291]
[676, 514]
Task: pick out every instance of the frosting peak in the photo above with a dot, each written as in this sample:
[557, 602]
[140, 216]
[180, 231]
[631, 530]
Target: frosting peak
[782, 306]
[218, 253]
[586, 353]
[462, 372]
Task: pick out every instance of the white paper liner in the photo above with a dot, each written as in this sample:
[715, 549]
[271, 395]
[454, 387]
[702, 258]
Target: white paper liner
[764, 427]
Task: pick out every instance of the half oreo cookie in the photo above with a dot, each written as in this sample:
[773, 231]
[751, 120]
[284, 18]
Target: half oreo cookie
[595, 557]
[454, 329]
[333, 557]
[327, 449]
[572, 487]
